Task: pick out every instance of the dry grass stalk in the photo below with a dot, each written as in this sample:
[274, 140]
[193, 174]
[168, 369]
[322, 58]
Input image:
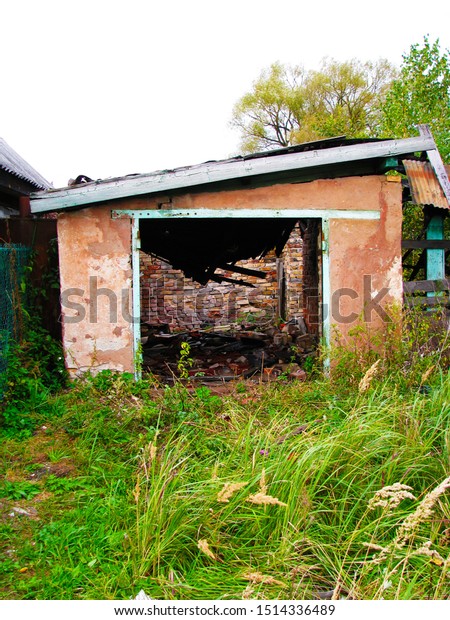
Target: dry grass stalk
[423, 511]
[426, 374]
[149, 455]
[137, 491]
[390, 497]
[152, 454]
[434, 556]
[204, 546]
[407, 529]
[373, 547]
[263, 499]
[256, 577]
[228, 490]
[247, 593]
[337, 591]
[365, 382]
[262, 483]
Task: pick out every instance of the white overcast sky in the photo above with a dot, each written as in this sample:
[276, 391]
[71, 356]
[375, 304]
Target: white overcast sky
[113, 88]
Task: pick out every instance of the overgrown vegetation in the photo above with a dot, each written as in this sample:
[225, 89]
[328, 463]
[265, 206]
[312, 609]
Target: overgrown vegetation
[35, 370]
[34, 360]
[330, 487]
[420, 94]
[288, 105]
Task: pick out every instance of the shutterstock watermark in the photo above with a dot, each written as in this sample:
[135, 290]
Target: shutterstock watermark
[371, 299]
[170, 301]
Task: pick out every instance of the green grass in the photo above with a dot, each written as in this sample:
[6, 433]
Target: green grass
[121, 480]
[109, 486]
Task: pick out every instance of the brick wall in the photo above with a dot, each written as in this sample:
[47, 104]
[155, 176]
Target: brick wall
[311, 274]
[168, 297]
[293, 269]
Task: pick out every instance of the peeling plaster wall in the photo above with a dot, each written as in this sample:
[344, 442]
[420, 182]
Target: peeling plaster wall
[95, 273]
[346, 193]
[366, 263]
[95, 253]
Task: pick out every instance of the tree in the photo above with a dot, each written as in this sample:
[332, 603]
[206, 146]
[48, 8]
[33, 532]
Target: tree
[271, 112]
[288, 105]
[344, 98]
[421, 94]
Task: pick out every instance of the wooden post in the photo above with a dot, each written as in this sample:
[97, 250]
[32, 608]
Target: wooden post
[435, 258]
[281, 291]
[24, 206]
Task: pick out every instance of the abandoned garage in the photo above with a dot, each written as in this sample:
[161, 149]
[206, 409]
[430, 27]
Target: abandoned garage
[223, 253]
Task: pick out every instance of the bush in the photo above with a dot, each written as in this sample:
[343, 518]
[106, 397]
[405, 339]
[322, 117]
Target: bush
[35, 369]
[411, 344]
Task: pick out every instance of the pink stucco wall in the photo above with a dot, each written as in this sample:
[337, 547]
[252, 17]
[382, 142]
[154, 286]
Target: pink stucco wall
[95, 253]
[95, 274]
[366, 263]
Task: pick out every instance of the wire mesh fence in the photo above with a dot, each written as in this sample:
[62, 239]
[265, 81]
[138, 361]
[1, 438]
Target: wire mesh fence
[14, 259]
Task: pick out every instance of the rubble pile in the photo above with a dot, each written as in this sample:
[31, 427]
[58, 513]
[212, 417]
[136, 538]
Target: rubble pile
[232, 352]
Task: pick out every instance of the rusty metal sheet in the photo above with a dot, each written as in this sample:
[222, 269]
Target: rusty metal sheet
[425, 187]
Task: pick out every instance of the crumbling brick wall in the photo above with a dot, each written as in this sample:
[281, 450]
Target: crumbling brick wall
[168, 297]
[311, 274]
[293, 270]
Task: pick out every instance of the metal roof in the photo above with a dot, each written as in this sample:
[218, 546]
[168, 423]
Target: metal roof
[316, 145]
[298, 163]
[424, 185]
[11, 162]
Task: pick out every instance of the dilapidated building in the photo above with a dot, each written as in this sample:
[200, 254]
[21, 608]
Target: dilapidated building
[343, 197]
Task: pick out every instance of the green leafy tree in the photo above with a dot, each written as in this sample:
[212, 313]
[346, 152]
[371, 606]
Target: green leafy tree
[288, 105]
[344, 98]
[270, 114]
[421, 94]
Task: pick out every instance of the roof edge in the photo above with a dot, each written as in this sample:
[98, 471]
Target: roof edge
[216, 172]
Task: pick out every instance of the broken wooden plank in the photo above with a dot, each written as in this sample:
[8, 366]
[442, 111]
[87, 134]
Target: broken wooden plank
[436, 161]
[242, 270]
[429, 244]
[219, 278]
[427, 301]
[426, 286]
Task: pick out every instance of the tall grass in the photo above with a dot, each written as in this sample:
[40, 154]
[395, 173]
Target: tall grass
[323, 536]
[331, 488]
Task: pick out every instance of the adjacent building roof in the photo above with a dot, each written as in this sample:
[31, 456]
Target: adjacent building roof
[12, 162]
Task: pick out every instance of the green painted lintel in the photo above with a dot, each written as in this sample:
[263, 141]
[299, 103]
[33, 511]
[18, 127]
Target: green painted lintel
[347, 214]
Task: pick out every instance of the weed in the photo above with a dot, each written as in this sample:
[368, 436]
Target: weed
[185, 362]
[19, 490]
[55, 455]
[35, 369]
[410, 345]
[309, 363]
[59, 485]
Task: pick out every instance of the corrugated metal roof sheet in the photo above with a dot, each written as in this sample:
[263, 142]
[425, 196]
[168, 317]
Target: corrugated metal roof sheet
[424, 185]
[11, 162]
